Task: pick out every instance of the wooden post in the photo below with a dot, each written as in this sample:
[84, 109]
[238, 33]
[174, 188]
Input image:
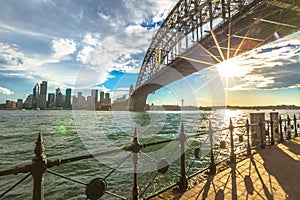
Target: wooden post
[295, 126]
[262, 142]
[268, 133]
[39, 166]
[280, 129]
[232, 154]
[272, 133]
[248, 138]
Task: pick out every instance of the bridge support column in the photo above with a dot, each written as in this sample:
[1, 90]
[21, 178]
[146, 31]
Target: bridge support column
[137, 103]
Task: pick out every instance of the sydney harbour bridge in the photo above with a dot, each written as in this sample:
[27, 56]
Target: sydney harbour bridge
[201, 33]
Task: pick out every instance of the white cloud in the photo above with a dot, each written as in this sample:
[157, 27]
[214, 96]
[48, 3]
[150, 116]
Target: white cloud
[91, 39]
[63, 47]
[90, 42]
[120, 52]
[15, 64]
[134, 40]
[84, 55]
[103, 16]
[268, 67]
[6, 91]
[9, 55]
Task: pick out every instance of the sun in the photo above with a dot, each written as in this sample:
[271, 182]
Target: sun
[231, 68]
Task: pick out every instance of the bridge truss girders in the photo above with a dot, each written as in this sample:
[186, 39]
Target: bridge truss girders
[199, 20]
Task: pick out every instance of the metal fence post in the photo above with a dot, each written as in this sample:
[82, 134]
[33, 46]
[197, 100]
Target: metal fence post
[248, 138]
[183, 183]
[232, 154]
[39, 166]
[295, 126]
[262, 142]
[272, 133]
[289, 136]
[212, 165]
[135, 150]
[280, 129]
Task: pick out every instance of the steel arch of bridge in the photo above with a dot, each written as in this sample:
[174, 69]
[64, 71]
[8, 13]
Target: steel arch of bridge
[187, 21]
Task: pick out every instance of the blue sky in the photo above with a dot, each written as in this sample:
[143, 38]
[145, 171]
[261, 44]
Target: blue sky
[100, 44]
[59, 41]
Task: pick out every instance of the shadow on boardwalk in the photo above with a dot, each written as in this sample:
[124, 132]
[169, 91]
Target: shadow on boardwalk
[271, 173]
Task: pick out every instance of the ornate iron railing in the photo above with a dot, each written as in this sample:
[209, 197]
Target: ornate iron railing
[98, 186]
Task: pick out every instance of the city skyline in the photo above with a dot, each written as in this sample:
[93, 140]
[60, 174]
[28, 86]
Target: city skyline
[41, 99]
[103, 45]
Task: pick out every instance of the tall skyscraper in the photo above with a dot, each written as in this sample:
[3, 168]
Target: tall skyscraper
[28, 102]
[107, 100]
[42, 95]
[74, 102]
[68, 98]
[81, 102]
[35, 94]
[94, 95]
[58, 97]
[51, 100]
[102, 98]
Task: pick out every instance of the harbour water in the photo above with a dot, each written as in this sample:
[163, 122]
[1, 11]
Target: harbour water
[73, 133]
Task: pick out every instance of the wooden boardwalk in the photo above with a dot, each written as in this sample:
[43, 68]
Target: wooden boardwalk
[271, 173]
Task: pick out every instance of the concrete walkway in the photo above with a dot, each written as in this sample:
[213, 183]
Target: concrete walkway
[271, 173]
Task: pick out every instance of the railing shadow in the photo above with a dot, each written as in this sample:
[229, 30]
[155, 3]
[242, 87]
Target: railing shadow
[265, 188]
[206, 187]
[235, 181]
[285, 169]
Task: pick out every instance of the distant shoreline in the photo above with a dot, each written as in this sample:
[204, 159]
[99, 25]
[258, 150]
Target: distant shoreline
[188, 108]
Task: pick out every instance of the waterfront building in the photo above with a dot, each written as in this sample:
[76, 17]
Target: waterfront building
[11, 105]
[101, 98]
[90, 102]
[51, 100]
[58, 97]
[74, 101]
[35, 93]
[63, 100]
[28, 102]
[59, 100]
[68, 98]
[107, 100]
[42, 95]
[81, 102]
[3, 106]
[94, 95]
[20, 104]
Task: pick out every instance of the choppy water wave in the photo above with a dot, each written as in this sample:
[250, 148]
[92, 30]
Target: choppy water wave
[67, 134]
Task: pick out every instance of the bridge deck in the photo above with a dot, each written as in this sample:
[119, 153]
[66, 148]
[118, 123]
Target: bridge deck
[271, 173]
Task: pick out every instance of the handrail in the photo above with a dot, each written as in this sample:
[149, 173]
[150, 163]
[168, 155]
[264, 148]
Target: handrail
[40, 165]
